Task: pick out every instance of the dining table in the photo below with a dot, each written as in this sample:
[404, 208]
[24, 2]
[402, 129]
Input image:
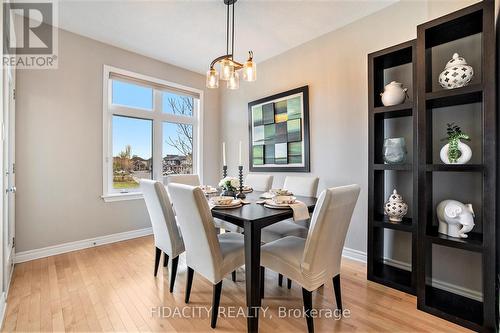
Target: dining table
[252, 217]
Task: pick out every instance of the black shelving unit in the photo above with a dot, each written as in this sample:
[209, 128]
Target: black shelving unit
[382, 67]
[453, 31]
[469, 32]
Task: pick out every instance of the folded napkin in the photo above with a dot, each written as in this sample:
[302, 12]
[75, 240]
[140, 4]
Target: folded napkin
[300, 211]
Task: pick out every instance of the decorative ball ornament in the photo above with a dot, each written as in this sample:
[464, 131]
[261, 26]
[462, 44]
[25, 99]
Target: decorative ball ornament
[395, 208]
[457, 73]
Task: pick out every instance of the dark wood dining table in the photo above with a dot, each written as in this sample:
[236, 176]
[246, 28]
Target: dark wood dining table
[252, 218]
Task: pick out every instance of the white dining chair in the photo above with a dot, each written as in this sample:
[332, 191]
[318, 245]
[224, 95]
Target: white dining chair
[211, 255]
[192, 180]
[300, 186]
[259, 182]
[313, 261]
[166, 233]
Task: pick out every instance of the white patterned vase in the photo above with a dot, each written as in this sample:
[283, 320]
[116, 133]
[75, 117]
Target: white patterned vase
[456, 73]
[395, 208]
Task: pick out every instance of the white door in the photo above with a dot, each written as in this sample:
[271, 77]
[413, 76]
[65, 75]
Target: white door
[9, 168]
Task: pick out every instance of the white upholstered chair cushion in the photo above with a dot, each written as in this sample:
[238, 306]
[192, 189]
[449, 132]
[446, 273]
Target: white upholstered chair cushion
[284, 228]
[166, 233]
[259, 182]
[192, 180]
[208, 254]
[315, 260]
[301, 186]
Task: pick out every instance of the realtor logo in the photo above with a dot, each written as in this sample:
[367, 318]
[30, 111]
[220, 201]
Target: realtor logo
[30, 40]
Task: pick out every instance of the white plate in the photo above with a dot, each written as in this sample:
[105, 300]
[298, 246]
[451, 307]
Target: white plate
[277, 207]
[234, 203]
[270, 202]
[228, 207]
[289, 197]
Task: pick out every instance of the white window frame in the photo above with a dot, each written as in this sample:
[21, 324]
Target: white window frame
[157, 116]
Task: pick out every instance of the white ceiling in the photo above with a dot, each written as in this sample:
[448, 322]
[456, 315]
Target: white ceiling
[190, 34]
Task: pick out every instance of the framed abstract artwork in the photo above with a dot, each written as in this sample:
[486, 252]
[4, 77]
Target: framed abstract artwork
[279, 132]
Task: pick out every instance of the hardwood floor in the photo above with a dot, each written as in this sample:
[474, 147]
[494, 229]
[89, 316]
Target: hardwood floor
[112, 288]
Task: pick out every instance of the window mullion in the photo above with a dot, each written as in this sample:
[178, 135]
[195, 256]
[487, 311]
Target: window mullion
[157, 136]
[178, 119]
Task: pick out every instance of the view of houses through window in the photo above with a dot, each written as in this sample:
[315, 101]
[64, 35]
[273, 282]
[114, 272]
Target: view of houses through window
[133, 137]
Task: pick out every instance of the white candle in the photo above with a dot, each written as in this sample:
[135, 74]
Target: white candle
[224, 154]
[240, 154]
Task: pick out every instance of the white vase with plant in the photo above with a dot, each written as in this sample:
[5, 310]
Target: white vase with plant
[229, 186]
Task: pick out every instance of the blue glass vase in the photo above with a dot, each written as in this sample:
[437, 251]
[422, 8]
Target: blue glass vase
[394, 150]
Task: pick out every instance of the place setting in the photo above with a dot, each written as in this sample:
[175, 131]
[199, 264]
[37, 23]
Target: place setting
[224, 202]
[284, 199]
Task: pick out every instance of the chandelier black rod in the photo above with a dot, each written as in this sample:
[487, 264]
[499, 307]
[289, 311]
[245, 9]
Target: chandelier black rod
[232, 40]
[227, 29]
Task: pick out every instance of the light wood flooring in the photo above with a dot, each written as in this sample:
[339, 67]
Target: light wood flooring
[112, 288]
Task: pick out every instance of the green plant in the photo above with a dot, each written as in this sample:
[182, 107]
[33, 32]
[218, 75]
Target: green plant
[455, 134]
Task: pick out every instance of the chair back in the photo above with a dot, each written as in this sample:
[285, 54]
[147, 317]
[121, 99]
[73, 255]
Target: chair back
[259, 182]
[166, 233]
[302, 186]
[192, 180]
[195, 219]
[327, 232]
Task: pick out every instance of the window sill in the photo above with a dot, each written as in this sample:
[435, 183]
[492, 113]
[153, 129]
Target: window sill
[122, 196]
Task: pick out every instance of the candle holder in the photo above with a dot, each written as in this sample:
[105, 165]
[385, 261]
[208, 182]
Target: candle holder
[241, 195]
[224, 171]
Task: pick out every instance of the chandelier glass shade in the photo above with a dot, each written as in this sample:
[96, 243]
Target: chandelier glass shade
[227, 65]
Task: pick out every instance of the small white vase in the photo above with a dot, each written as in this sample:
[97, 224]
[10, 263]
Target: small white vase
[393, 94]
[464, 157]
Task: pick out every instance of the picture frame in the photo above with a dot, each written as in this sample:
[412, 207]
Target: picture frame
[279, 136]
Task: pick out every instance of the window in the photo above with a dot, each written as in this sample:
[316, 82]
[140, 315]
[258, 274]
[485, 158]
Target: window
[151, 129]
[132, 151]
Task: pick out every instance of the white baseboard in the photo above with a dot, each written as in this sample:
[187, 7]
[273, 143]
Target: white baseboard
[459, 290]
[398, 264]
[3, 307]
[456, 289]
[79, 245]
[354, 254]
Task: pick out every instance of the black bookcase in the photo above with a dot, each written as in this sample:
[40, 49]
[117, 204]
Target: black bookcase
[469, 32]
[397, 63]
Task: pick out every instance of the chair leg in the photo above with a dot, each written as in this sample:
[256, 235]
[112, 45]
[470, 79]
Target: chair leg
[173, 272]
[165, 260]
[289, 283]
[262, 279]
[215, 303]
[280, 279]
[157, 261]
[338, 295]
[307, 297]
[189, 283]
[233, 276]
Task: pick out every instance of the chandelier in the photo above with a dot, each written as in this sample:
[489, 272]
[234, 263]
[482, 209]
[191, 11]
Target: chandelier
[228, 66]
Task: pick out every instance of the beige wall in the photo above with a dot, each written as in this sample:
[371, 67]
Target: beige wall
[335, 68]
[59, 144]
